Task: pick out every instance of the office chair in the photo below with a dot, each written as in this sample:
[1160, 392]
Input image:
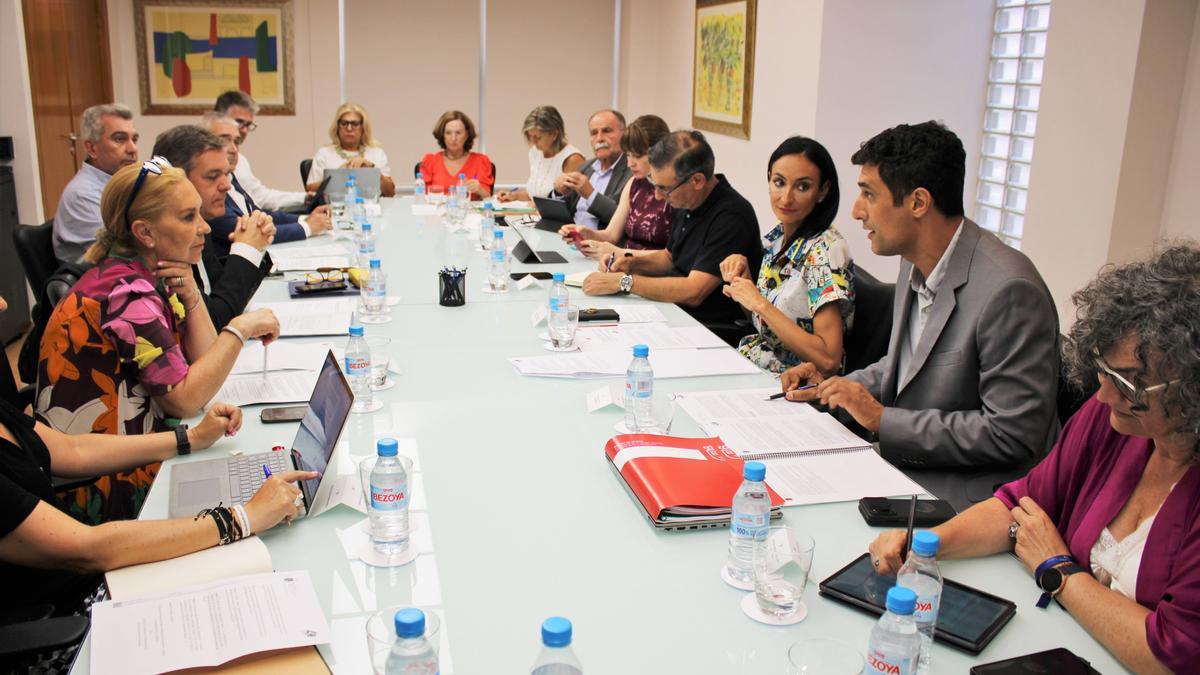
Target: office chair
[1069, 397]
[35, 246]
[867, 341]
[305, 167]
[26, 632]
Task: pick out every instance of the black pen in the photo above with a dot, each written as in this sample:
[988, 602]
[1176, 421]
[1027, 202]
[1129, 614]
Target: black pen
[912, 515]
[776, 397]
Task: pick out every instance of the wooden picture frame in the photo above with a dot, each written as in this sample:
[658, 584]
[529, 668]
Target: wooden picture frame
[723, 66]
[220, 45]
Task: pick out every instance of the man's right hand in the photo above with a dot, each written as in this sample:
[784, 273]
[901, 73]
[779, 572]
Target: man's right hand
[256, 229]
[799, 376]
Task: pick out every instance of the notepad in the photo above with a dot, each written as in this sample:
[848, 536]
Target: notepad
[298, 318]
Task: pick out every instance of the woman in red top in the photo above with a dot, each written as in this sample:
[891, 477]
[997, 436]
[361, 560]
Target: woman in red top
[455, 133]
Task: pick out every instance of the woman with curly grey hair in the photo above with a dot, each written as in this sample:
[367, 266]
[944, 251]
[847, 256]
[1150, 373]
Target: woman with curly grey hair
[1108, 522]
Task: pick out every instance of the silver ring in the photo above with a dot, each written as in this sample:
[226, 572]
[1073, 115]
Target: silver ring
[1012, 529]
[875, 562]
[178, 281]
[298, 500]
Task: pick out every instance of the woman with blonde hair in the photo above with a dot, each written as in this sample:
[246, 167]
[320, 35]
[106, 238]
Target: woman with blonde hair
[352, 146]
[455, 134]
[550, 155]
[131, 347]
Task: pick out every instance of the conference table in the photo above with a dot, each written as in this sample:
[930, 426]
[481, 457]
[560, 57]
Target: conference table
[526, 520]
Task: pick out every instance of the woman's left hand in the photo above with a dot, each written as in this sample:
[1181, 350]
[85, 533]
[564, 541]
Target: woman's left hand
[177, 275]
[744, 292]
[359, 163]
[222, 419]
[1038, 539]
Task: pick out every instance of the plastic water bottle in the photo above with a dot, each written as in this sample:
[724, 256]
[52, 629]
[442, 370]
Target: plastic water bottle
[895, 644]
[498, 264]
[461, 189]
[358, 369]
[411, 654]
[366, 245]
[639, 391]
[374, 289]
[556, 657]
[920, 574]
[419, 189]
[487, 223]
[389, 500]
[351, 191]
[748, 523]
[358, 213]
[559, 295]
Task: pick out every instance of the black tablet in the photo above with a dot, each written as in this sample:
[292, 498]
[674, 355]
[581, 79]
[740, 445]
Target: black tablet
[968, 618]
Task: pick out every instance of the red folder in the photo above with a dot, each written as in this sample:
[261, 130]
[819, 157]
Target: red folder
[679, 479]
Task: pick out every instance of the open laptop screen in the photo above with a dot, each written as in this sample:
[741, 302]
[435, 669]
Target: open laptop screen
[322, 424]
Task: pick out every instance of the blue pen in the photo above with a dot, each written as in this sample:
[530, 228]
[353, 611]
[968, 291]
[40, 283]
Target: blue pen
[266, 471]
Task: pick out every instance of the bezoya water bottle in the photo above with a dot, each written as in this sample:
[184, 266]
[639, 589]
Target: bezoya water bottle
[358, 369]
[556, 657]
[498, 264]
[560, 296]
[419, 189]
[389, 500]
[374, 288]
[920, 574]
[366, 245]
[748, 523]
[412, 654]
[358, 213]
[487, 223]
[639, 391]
[351, 191]
[895, 644]
[461, 189]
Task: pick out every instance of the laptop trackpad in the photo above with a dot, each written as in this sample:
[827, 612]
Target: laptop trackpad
[198, 491]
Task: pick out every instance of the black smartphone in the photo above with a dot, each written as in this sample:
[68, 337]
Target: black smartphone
[602, 315]
[540, 276]
[289, 413]
[884, 512]
[1059, 661]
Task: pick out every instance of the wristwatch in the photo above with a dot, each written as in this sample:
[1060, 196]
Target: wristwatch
[182, 445]
[1052, 580]
[626, 284]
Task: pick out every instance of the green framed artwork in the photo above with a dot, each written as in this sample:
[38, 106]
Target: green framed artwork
[723, 68]
[190, 51]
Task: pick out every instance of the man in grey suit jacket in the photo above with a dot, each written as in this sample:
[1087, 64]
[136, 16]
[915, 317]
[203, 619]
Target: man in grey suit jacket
[965, 397]
[592, 192]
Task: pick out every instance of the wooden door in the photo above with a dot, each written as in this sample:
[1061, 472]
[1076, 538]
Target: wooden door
[66, 42]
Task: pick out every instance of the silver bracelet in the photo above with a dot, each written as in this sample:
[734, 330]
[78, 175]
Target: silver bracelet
[235, 333]
[239, 512]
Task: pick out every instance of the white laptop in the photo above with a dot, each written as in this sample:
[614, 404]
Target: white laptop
[234, 480]
[367, 179]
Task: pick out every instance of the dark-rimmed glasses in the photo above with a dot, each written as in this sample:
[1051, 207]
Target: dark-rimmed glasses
[325, 274]
[350, 124]
[155, 166]
[1128, 390]
[248, 125]
[666, 192]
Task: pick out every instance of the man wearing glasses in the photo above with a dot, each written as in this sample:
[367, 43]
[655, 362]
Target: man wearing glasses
[711, 221]
[239, 106]
[965, 397]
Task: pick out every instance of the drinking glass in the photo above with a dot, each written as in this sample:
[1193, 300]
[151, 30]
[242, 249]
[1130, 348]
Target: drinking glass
[381, 635]
[337, 212]
[436, 194]
[563, 323]
[782, 562]
[823, 656]
[380, 358]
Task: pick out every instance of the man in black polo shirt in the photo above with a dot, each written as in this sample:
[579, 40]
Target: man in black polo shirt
[711, 221]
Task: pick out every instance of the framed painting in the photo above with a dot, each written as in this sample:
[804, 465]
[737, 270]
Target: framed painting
[190, 51]
[723, 68]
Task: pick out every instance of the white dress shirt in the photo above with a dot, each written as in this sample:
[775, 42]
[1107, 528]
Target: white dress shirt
[266, 198]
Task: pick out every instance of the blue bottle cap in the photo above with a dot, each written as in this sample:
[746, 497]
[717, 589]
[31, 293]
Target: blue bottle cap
[420, 175]
[387, 447]
[350, 180]
[755, 471]
[358, 200]
[641, 351]
[556, 632]
[462, 175]
[559, 276]
[497, 233]
[925, 542]
[410, 623]
[356, 331]
[901, 600]
[366, 226]
[375, 263]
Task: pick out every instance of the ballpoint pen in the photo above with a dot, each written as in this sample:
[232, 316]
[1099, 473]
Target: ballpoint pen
[266, 471]
[264, 373]
[912, 515]
[776, 397]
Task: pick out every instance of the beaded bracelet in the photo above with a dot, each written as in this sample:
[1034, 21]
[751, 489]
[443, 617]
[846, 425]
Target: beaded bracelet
[228, 529]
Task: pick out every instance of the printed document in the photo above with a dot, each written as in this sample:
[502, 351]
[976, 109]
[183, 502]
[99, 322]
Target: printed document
[666, 363]
[298, 318]
[303, 258]
[207, 625]
[289, 386]
[654, 335]
[280, 356]
[706, 406]
[836, 477]
[755, 437]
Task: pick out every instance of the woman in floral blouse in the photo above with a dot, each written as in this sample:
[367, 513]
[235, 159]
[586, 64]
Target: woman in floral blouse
[132, 345]
[803, 303]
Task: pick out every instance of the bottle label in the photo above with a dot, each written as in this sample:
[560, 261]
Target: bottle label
[376, 289]
[394, 498]
[753, 525]
[366, 247]
[926, 609]
[357, 367]
[553, 304]
[498, 256]
[883, 664]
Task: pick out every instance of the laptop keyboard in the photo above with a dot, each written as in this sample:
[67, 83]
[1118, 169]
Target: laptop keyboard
[246, 474]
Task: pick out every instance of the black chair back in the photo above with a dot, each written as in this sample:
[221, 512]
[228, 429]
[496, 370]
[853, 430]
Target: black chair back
[416, 170]
[305, 167]
[868, 338]
[1069, 397]
[35, 246]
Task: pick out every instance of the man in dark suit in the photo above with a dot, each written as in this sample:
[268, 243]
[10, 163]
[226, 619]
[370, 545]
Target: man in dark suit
[592, 193]
[288, 226]
[965, 397]
[227, 284]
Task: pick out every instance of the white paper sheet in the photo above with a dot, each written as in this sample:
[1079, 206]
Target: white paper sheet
[296, 258]
[836, 477]
[655, 335]
[248, 556]
[207, 625]
[784, 434]
[280, 356]
[299, 318]
[289, 386]
[667, 363]
[640, 312]
[706, 406]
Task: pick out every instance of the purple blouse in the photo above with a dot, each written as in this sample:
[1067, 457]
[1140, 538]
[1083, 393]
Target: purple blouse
[1084, 482]
[648, 225]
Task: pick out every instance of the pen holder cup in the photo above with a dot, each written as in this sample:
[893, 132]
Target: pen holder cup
[452, 288]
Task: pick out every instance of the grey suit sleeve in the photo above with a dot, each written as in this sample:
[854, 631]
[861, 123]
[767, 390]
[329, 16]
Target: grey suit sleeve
[871, 377]
[1017, 338]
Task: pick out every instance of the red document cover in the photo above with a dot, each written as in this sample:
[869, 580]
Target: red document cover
[678, 478]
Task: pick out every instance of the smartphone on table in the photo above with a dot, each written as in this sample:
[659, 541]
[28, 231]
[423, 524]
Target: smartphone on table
[289, 413]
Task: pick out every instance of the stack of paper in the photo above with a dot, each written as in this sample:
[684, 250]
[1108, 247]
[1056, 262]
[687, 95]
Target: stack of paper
[298, 258]
[280, 356]
[289, 386]
[655, 335]
[330, 316]
[667, 363]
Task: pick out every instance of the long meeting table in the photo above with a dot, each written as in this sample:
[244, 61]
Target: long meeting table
[526, 518]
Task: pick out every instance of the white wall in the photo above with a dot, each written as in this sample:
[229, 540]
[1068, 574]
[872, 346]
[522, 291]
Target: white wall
[1179, 213]
[16, 113]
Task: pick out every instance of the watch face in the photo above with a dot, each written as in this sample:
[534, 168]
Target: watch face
[1051, 580]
